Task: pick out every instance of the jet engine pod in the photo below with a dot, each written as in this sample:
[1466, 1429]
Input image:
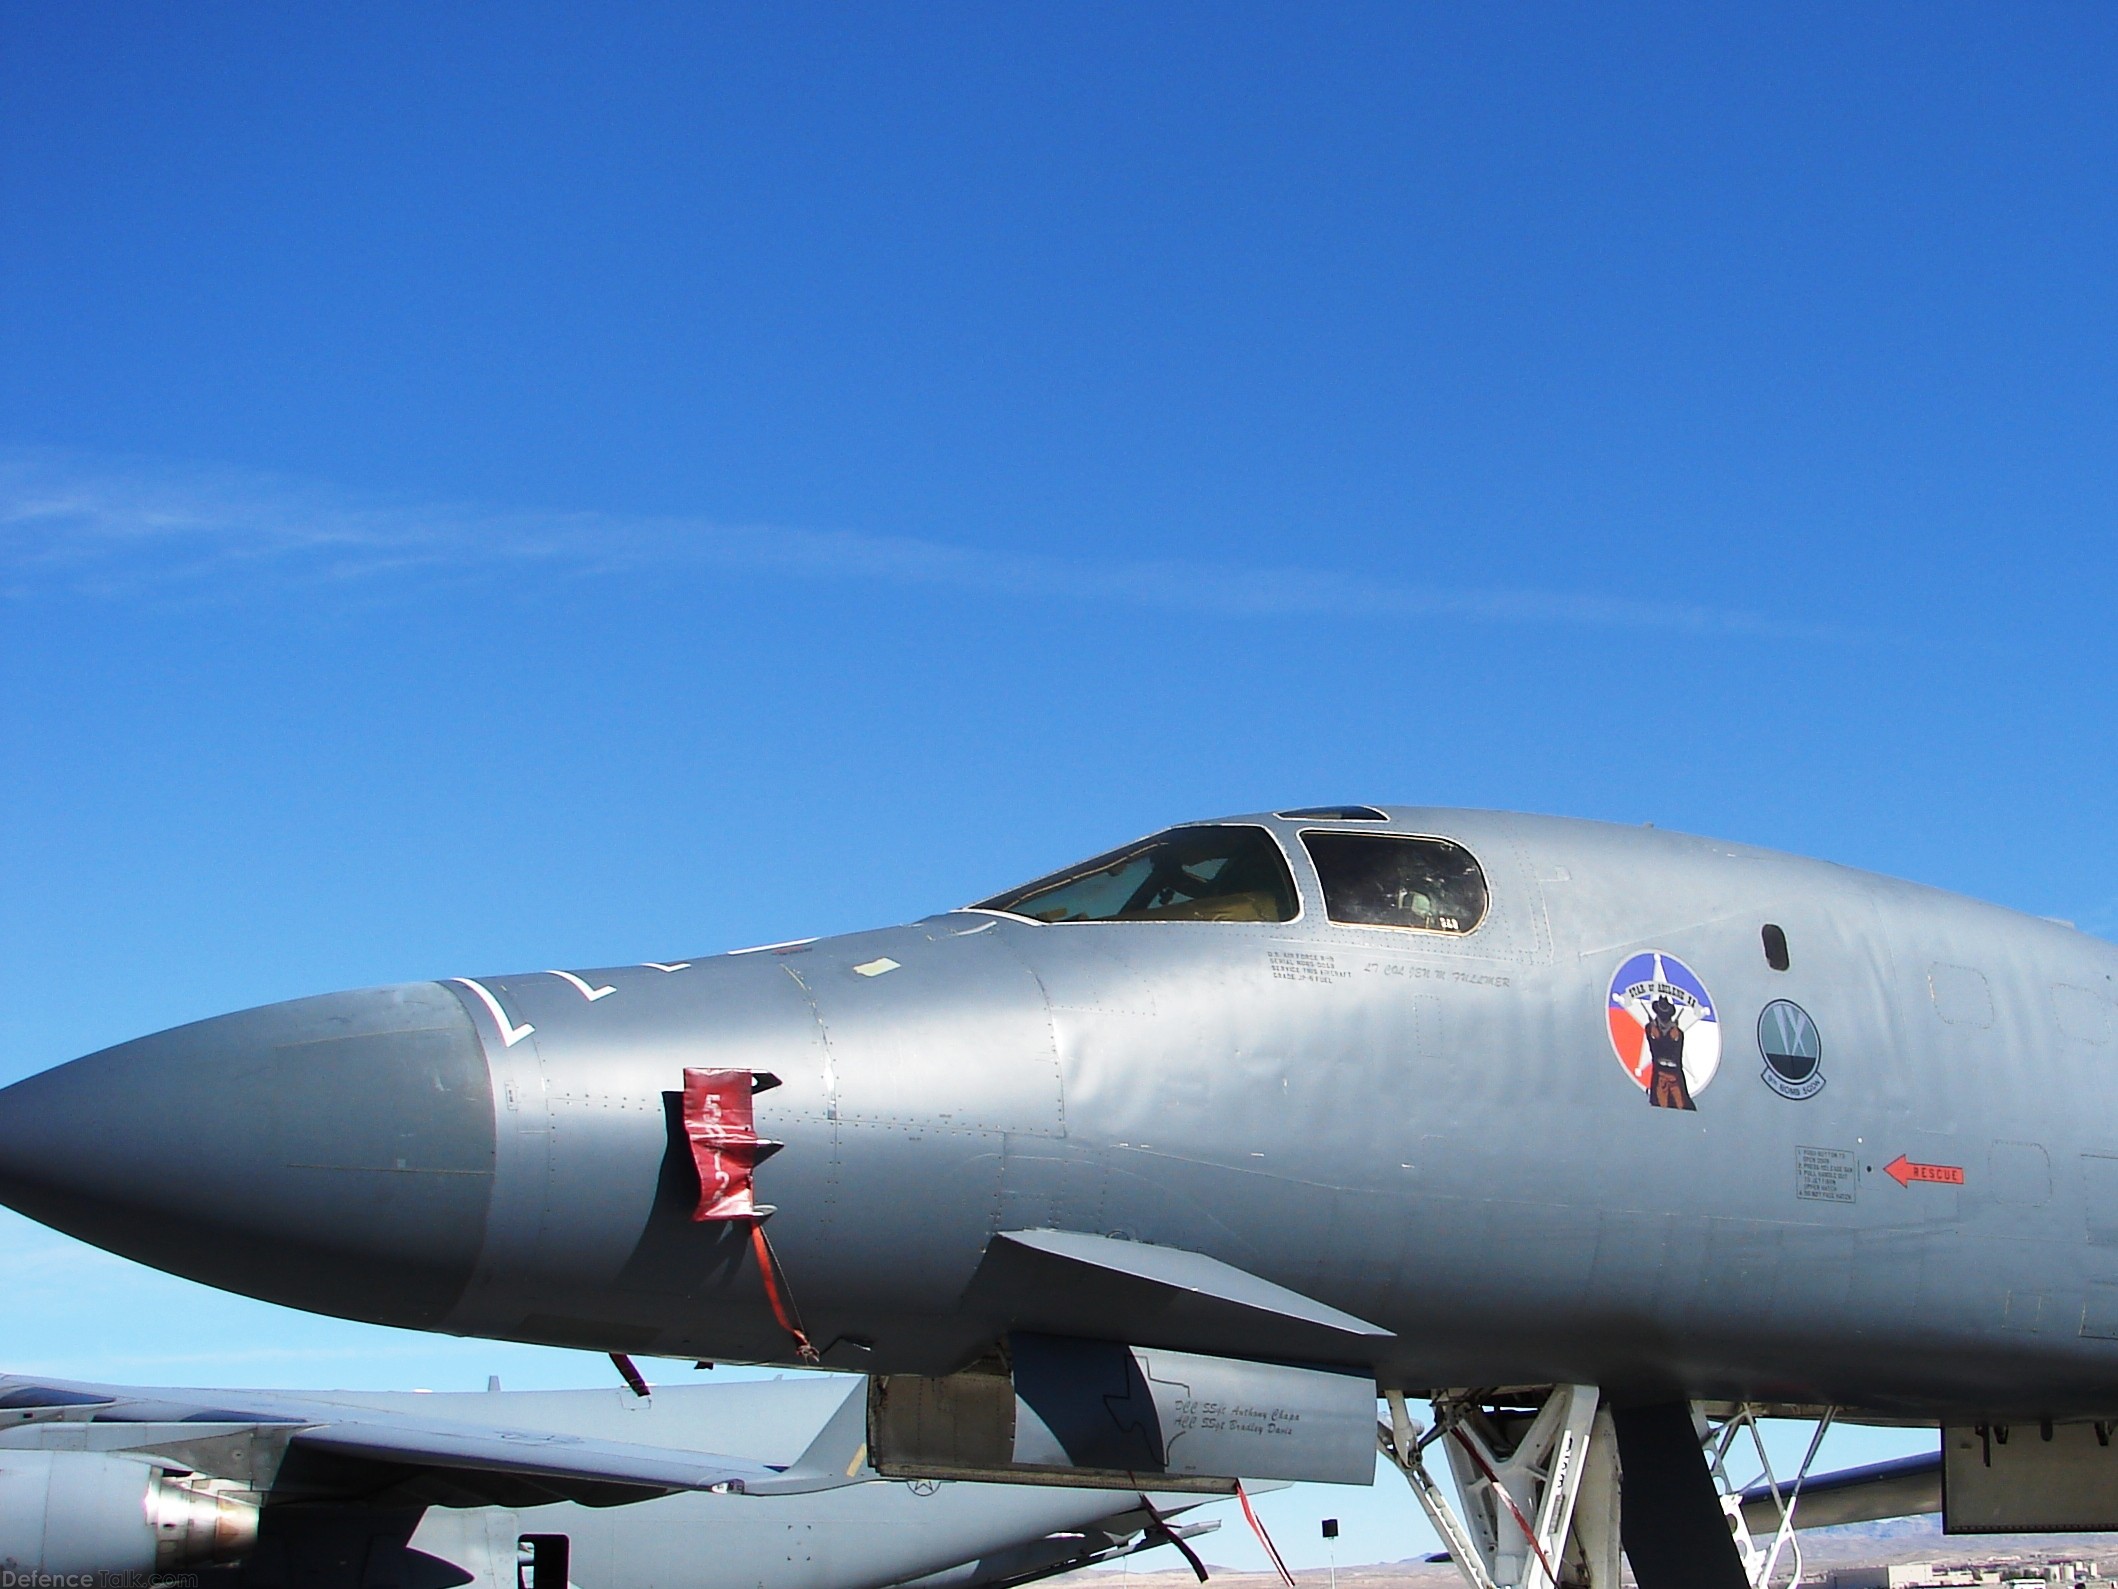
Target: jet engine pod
[81, 1512]
[1065, 1411]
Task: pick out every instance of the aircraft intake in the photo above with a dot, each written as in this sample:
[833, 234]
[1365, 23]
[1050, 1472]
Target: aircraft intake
[1065, 1410]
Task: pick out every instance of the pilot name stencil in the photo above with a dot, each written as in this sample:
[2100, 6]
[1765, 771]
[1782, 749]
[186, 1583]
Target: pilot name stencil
[1420, 973]
[1663, 1028]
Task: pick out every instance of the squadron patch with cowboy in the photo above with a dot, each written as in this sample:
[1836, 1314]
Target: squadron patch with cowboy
[1663, 1029]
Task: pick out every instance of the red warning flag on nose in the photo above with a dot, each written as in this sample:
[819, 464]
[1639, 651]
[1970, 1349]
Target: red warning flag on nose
[724, 1144]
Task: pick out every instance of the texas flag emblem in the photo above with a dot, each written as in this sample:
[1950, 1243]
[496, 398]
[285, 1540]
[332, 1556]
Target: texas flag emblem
[1663, 1029]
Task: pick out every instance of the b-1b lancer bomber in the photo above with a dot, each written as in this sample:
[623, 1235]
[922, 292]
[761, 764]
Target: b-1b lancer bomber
[1162, 1169]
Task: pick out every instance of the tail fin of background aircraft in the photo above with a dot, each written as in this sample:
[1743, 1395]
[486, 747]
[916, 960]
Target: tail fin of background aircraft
[838, 1455]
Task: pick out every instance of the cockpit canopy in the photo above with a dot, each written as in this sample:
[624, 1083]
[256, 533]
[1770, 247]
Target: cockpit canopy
[1204, 873]
[1233, 871]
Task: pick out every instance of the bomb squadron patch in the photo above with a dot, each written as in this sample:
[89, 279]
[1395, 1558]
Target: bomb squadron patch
[1663, 1029]
[1793, 1050]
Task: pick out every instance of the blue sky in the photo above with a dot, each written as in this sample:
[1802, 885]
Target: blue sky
[487, 488]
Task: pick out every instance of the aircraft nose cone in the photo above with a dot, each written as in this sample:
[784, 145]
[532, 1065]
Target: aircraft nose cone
[333, 1154]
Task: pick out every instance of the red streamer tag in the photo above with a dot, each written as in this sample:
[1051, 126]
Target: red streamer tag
[1257, 1527]
[723, 1131]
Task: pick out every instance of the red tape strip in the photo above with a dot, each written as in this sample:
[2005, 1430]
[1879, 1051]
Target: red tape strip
[1278, 1564]
[719, 1121]
[776, 1293]
[721, 1124]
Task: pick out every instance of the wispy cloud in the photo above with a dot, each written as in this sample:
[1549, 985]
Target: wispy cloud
[89, 527]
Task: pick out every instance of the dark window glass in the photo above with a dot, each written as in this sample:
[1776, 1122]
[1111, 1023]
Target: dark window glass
[1186, 874]
[1335, 814]
[1775, 947]
[1379, 880]
[542, 1561]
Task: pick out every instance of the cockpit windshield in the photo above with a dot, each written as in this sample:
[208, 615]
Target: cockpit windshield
[1187, 874]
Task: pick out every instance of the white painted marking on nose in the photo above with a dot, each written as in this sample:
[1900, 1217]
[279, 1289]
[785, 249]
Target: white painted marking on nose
[510, 1034]
[875, 968]
[656, 965]
[587, 992]
[761, 948]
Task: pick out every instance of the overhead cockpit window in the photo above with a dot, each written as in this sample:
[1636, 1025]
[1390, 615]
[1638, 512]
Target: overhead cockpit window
[1381, 880]
[1186, 874]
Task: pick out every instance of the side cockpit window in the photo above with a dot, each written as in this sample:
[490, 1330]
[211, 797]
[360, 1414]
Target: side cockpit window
[1382, 880]
[1187, 874]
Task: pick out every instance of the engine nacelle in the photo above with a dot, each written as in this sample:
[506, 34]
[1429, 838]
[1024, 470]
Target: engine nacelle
[1097, 1412]
[84, 1512]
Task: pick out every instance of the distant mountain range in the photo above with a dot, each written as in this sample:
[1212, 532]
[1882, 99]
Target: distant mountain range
[1903, 1539]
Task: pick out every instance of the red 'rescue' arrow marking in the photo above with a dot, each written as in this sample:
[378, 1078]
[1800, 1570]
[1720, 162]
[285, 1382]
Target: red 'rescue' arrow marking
[1903, 1171]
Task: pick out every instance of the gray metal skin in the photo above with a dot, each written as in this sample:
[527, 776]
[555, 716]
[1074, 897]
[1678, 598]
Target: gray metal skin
[1428, 1131]
[859, 1536]
[862, 1538]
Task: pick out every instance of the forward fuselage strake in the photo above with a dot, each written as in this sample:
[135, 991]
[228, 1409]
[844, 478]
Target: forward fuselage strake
[1587, 1104]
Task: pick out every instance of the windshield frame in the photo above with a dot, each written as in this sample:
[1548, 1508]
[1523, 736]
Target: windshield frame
[1298, 883]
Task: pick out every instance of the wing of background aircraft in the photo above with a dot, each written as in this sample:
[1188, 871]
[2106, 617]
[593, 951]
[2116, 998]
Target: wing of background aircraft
[521, 1490]
[1140, 1527]
[289, 1447]
[1901, 1487]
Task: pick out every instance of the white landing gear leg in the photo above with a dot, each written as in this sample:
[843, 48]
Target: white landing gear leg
[1772, 1499]
[1539, 1485]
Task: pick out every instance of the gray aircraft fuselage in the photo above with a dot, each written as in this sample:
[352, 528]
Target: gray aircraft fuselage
[1914, 1212]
